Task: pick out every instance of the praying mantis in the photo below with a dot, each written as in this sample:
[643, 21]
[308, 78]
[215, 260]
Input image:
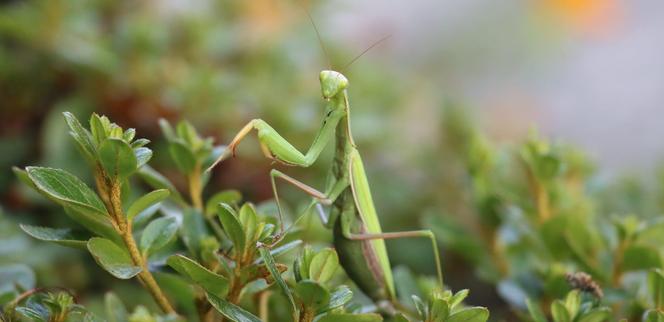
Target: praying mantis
[358, 237]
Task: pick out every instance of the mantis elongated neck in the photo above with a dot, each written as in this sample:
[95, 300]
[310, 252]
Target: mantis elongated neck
[344, 138]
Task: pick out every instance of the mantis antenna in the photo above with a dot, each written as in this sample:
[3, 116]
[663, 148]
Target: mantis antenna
[365, 51]
[320, 40]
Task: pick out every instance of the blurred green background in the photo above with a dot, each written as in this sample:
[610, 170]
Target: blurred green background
[447, 70]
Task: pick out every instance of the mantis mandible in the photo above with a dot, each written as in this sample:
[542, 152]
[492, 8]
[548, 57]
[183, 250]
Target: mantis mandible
[358, 237]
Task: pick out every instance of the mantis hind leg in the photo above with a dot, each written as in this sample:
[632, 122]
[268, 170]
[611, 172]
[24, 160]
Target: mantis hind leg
[367, 211]
[406, 234]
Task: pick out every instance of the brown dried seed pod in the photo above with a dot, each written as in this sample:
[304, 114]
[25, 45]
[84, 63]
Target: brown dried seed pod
[584, 282]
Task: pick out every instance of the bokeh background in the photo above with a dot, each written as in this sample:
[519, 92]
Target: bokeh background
[588, 72]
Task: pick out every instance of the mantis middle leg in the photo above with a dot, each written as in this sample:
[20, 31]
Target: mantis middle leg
[327, 198]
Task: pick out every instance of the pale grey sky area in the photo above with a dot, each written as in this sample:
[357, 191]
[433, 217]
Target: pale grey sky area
[603, 91]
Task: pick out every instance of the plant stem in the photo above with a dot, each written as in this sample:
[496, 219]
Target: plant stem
[196, 188]
[113, 197]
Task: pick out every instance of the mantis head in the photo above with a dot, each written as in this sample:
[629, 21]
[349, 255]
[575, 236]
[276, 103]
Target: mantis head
[332, 83]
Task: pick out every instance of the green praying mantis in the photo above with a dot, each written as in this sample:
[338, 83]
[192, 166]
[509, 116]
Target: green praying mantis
[358, 237]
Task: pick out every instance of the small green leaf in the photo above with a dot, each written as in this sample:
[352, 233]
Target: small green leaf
[440, 310]
[573, 302]
[311, 294]
[22, 176]
[348, 317]
[458, 298]
[193, 231]
[420, 306]
[640, 257]
[231, 197]
[139, 143]
[656, 287]
[117, 158]
[323, 265]
[249, 221]
[231, 311]
[65, 188]
[129, 134]
[184, 158]
[339, 297]
[142, 155]
[535, 311]
[112, 258]
[653, 316]
[157, 234]
[231, 225]
[597, 315]
[99, 125]
[281, 249]
[158, 181]
[146, 201]
[63, 236]
[115, 309]
[82, 136]
[271, 266]
[559, 312]
[201, 276]
[167, 130]
[93, 221]
[470, 314]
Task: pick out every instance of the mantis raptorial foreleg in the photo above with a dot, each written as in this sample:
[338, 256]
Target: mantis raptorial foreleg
[278, 147]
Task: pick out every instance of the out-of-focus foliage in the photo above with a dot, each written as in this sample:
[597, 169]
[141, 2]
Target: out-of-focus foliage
[513, 219]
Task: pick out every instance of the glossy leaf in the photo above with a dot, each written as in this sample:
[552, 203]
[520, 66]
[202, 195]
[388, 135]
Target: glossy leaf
[470, 314]
[439, 310]
[535, 311]
[348, 317]
[157, 234]
[596, 315]
[82, 136]
[323, 265]
[311, 294]
[339, 297]
[656, 287]
[271, 266]
[145, 202]
[158, 181]
[142, 155]
[65, 188]
[653, 316]
[249, 221]
[641, 257]
[115, 309]
[231, 311]
[458, 297]
[184, 158]
[117, 158]
[112, 258]
[62, 236]
[559, 312]
[231, 225]
[213, 283]
[93, 221]
[231, 197]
